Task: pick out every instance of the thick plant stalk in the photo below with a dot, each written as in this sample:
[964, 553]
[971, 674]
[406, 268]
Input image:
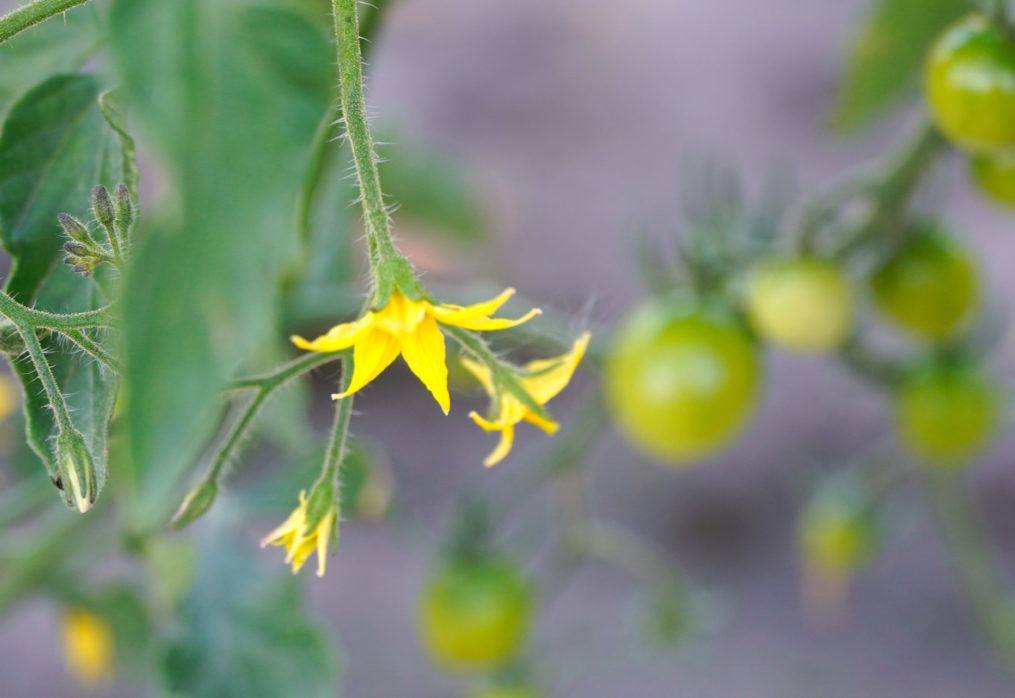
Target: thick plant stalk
[30, 14]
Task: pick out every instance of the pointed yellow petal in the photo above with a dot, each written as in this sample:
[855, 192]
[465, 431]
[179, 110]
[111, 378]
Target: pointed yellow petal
[485, 424]
[554, 374]
[451, 314]
[338, 337]
[547, 425]
[401, 315]
[487, 324]
[423, 350]
[482, 373]
[507, 438]
[373, 352]
[323, 541]
[291, 524]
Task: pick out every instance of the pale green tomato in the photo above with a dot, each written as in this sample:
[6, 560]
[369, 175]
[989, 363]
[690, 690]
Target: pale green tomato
[946, 414]
[802, 305]
[995, 175]
[681, 379]
[475, 614]
[970, 84]
[930, 288]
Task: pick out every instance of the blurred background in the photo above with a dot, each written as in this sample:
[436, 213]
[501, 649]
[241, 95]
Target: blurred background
[576, 121]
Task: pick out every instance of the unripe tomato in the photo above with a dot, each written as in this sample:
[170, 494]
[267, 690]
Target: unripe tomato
[970, 83]
[681, 379]
[506, 692]
[475, 614]
[995, 175]
[930, 288]
[803, 305]
[946, 413]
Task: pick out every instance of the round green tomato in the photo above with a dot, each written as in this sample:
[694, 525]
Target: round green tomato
[995, 175]
[475, 614]
[681, 379]
[506, 692]
[970, 84]
[803, 305]
[946, 413]
[930, 288]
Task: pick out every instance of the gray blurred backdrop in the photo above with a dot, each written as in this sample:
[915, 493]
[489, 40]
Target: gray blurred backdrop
[575, 117]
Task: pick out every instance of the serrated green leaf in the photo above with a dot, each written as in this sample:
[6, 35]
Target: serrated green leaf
[887, 56]
[245, 635]
[229, 96]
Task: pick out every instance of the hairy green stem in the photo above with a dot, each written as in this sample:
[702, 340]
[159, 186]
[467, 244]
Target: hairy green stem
[977, 572]
[93, 349]
[361, 144]
[31, 13]
[296, 367]
[335, 453]
[45, 373]
[23, 315]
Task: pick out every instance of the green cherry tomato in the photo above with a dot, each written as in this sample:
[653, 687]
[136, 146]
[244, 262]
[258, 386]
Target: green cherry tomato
[836, 536]
[946, 413]
[995, 176]
[802, 305]
[970, 83]
[506, 692]
[681, 379]
[475, 614]
[930, 288]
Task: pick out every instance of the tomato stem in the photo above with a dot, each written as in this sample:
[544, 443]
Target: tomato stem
[30, 14]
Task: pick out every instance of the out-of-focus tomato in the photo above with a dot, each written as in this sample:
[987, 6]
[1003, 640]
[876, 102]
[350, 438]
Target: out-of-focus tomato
[970, 84]
[995, 175]
[930, 288]
[506, 692]
[946, 413]
[682, 378]
[803, 305]
[475, 614]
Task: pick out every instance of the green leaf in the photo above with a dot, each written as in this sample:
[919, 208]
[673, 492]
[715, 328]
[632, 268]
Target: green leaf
[245, 634]
[229, 95]
[56, 46]
[431, 189]
[113, 104]
[887, 56]
[53, 148]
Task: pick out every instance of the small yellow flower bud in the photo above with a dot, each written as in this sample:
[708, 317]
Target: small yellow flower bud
[77, 471]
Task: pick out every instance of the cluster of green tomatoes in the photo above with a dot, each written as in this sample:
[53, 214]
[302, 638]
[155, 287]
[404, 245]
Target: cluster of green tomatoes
[684, 373]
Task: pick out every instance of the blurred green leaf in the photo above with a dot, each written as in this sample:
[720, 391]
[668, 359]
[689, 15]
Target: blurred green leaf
[244, 634]
[229, 95]
[432, 189]
[113, 104]
[887, 56]
[51, 47]
[54, 147]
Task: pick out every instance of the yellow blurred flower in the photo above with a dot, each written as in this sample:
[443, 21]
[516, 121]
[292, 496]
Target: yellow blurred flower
[542, 379]
[89, 648]
[10, 396]
[300, 542]
[410, 328]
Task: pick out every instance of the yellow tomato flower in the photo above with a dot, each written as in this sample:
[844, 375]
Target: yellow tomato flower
[299, 542]
[545, 379]
[89, 648]
[410, 328]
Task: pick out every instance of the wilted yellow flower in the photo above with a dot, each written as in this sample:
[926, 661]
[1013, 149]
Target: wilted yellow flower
[299, 542]
[88, 646]
[410, 328]
[542, 379]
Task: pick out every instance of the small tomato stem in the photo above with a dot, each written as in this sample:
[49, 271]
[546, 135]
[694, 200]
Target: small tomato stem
[31, 13]
[45, 373]
[335, 453]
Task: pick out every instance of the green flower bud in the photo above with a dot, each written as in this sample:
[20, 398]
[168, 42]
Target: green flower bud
[124, 208]
[195, 504]
[77, 470]
[74, 228]
[102, 207]
[321, 501]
